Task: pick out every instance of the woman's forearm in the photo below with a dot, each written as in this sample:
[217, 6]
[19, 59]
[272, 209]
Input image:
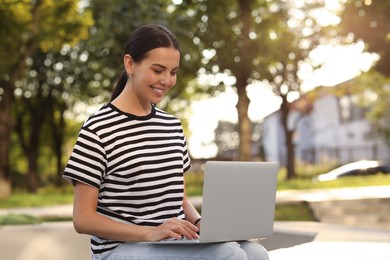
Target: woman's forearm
[190, 211]
[101, 226]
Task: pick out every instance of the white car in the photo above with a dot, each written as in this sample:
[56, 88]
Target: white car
[355, 169]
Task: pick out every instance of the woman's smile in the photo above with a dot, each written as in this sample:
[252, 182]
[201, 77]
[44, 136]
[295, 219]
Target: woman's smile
[160, 92]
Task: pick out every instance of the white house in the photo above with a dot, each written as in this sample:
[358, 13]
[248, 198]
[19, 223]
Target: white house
[335, 129]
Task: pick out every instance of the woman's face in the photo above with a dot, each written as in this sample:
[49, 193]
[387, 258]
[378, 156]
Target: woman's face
[155, 75]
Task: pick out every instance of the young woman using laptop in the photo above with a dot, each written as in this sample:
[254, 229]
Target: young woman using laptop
[128, 163]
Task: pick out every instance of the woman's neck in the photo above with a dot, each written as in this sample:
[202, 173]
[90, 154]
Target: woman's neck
[128, 102]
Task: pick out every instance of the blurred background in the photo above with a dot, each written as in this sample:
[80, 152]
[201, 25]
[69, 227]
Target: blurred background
[301, 82]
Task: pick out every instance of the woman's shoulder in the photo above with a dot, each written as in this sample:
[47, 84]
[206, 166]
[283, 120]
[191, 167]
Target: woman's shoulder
[104, 114]
[164, 115]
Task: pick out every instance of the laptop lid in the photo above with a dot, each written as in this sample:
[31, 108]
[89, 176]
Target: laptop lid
[238, 201]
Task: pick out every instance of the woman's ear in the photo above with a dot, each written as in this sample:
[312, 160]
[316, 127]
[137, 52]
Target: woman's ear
[128, 62]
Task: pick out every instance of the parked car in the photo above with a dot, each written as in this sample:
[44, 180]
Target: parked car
[359, 168]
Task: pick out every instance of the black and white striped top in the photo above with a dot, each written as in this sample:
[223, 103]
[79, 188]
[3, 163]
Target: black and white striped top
[137, 163]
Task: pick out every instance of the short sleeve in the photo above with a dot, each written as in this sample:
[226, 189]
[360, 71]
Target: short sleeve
[87, 162]
[186, 159]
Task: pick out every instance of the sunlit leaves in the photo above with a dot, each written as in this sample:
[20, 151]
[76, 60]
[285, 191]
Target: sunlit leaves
[370, 21]
[63, 21]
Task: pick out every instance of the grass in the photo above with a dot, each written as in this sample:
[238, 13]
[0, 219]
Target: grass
[294, 212]
[23, 219]
[355, 181]
[40, 199]
[194, 185]
[15, 219]
[194, 182]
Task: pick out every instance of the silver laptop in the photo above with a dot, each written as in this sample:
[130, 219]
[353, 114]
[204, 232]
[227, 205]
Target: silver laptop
[238, 202]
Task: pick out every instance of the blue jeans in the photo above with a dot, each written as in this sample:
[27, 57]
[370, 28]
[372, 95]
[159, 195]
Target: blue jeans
[214, 251]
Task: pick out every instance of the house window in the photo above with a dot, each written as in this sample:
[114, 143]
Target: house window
[345, 109]
[350, 110]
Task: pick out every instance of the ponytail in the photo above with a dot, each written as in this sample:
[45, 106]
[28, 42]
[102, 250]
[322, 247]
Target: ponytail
[120, 85]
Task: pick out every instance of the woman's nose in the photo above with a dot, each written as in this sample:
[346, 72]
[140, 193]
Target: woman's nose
[165, 82]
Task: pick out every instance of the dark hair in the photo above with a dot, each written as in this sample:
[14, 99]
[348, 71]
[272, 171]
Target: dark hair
[143, 40]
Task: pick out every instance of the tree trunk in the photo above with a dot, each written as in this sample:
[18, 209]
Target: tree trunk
[5, 136]
[30, 131]
[242, 73]
[58, 125]
[289, 139]
[244, 123]
[290, 155]
[32, 171]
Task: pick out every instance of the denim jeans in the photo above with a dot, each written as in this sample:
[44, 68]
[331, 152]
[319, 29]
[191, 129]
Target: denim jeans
[213, 251]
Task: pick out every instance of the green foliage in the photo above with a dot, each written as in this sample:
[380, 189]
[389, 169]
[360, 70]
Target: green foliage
[62, 22]
[45, 24]
[372, 90]
[13, 17]
[369, 21]
[33, 29]
[194, 184]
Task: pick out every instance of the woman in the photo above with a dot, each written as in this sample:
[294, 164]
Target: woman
[128, 164]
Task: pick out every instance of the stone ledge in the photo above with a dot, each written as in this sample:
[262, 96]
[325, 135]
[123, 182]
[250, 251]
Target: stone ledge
[356, 212]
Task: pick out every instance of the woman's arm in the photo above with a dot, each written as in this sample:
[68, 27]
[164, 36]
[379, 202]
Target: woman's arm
[189, 210]
[87, 221]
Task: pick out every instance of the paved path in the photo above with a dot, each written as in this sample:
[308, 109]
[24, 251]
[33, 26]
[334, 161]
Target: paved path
[47, 241]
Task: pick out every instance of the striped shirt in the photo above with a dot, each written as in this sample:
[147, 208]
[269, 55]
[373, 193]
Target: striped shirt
[137, 163]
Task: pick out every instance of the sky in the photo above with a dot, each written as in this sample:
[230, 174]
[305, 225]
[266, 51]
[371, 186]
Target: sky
[339, 63]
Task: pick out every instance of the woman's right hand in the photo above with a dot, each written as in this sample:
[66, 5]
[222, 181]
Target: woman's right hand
[173, 228]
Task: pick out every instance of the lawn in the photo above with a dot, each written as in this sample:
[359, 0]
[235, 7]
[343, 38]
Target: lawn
[194, 182]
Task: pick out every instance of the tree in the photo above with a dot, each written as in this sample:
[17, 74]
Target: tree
[234, 36]
[39, 110]
[254, 41]
[292, 45]
[226, 139]
[13, 17]
[26, 27]
[84, 73]
[369, 21]
[30, 114]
